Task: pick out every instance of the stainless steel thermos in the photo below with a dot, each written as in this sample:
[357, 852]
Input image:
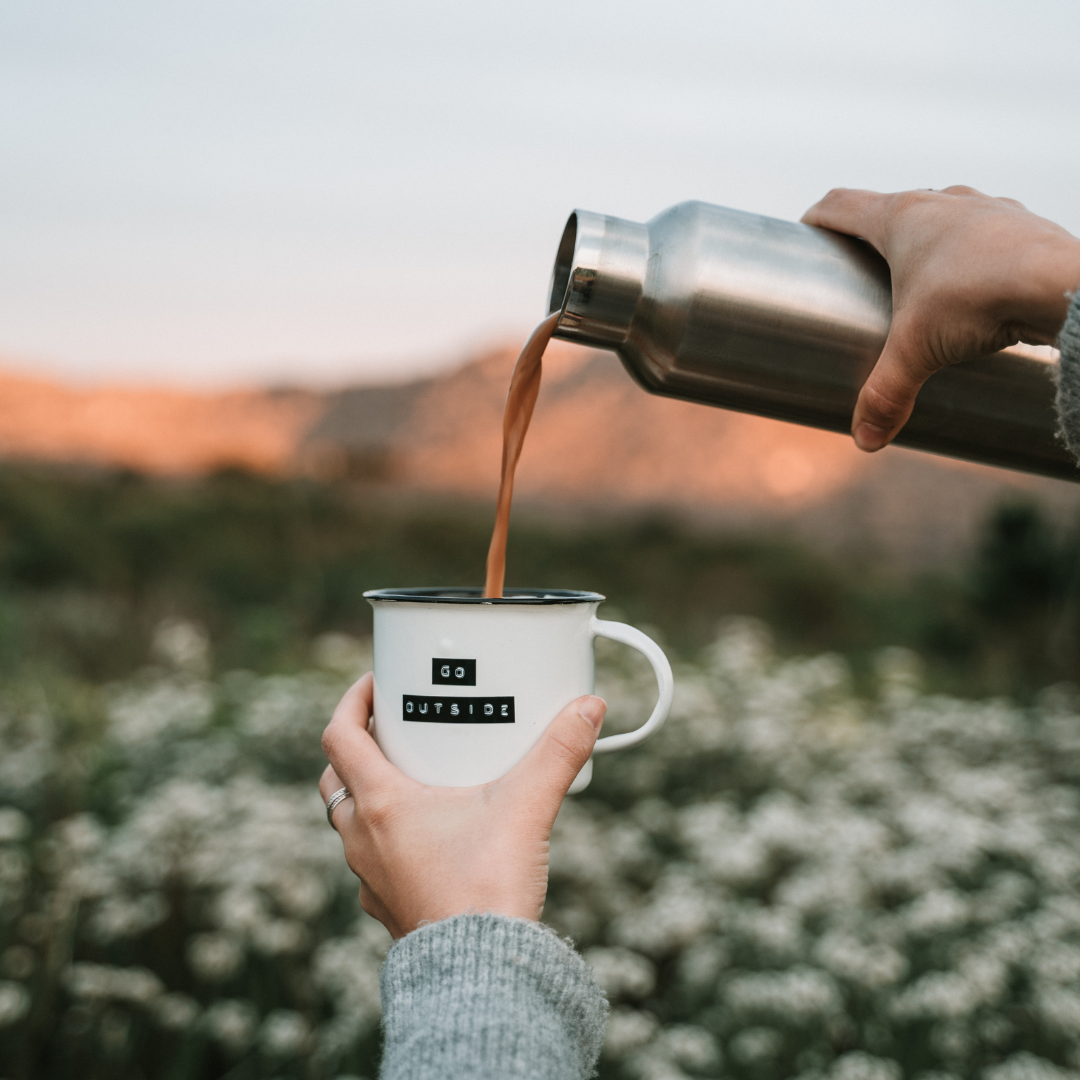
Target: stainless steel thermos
[784, 320]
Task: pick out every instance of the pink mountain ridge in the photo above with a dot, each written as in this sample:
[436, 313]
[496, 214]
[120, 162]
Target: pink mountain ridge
[598, 445]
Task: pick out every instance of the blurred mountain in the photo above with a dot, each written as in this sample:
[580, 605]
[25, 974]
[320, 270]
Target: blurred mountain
[598, 445]
[170, 432]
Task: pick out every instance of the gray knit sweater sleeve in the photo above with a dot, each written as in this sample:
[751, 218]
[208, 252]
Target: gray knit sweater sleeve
[485, 997]
[1068, 395]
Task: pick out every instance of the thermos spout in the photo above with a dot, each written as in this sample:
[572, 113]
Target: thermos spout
[784, 320]
[598, 279]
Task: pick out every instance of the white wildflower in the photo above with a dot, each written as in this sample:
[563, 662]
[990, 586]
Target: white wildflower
[81, 835]
[14, 871]
[723, 845]
[347, 970]
[231, 1023]
[215, 957]
[944, 909]
[1025, 1066]
[628, 1030]
[284, 1033]
[1002, 896]
[176, 1012]
[302, 895]
[654, 1064]
[18, 961]
[858, 1065]
[123, 917]
[1059, 1007]
[1057, 963]
[754, 1045]
[937, 995]
[1056, 864]
[900, 672]
[14, 1003]
[799, 994]
[742, 649]
[342, 653]
[873, 965]
[775, 931]
[579, 848]
[28, 753]
[691, 1047]
[622, 973]
[14, 825]
[182, 644]
[102, 982]
[701, 963]
[241, 909]
[147, 716]
[279, 937]
[677, 911]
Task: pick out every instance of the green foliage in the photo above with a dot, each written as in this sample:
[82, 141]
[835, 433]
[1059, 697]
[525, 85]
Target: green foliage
[90, 562]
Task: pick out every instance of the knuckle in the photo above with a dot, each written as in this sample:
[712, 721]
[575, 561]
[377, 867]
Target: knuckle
[341, 825]
[377, 808]
[885, 403]
[839, 203]
[567, 747]
[330, 741]
[906, 201]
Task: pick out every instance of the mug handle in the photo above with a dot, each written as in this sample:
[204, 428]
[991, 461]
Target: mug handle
[665, 683]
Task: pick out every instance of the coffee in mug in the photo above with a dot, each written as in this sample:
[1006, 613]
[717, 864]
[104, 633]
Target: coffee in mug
[466, 684]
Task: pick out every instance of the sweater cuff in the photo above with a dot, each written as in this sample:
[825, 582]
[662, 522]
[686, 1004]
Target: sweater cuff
[1068, 393]
[485, 996]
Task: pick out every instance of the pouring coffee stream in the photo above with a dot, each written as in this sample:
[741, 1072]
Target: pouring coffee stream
[520, 401]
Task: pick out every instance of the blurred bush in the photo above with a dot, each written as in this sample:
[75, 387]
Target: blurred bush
[91, 562]
[172, 902]
[791, 879]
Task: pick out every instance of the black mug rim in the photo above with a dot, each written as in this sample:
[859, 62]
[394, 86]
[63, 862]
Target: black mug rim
[475, 595]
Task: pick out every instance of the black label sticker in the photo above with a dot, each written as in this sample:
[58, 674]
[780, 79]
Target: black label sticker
[457, 710]
[446, 672]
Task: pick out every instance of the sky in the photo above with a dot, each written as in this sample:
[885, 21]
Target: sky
[320, 192]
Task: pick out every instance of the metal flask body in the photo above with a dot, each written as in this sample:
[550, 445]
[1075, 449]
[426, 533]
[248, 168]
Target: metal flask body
[784, 320]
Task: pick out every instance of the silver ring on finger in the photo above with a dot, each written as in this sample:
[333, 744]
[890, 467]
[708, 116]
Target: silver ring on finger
[333, 802]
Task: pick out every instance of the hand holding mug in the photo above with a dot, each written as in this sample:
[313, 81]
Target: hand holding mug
[427, 853]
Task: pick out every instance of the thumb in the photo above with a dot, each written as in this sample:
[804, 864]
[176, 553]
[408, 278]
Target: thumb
[888, 395]
[561, 752]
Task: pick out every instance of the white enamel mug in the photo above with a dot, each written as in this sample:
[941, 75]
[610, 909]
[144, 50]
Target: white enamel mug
[465, 685]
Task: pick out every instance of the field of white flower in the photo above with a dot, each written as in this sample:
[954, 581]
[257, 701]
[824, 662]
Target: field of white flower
[791, 880]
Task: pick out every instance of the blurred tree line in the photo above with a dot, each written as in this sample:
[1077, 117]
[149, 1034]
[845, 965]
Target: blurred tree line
[89, 561]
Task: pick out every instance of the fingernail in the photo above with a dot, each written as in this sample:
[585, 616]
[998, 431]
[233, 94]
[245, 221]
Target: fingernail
[870, 437]
[593, 709]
